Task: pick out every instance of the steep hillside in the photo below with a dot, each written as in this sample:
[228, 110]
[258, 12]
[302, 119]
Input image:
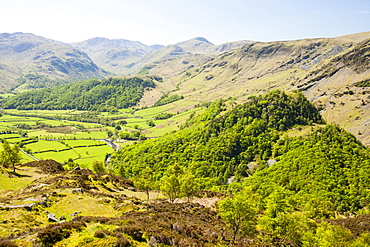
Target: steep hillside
[33, 61]
[174, 59]
[339, 88]
[115, 55]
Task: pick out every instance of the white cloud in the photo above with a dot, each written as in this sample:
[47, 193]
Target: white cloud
[363, 12]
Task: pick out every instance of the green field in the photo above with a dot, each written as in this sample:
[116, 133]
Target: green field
[58, 156]
[50, 134]
[46, 145]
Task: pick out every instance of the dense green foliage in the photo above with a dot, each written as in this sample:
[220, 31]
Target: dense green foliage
[102, 95]
[225, 145]
[276, 221]
[165, 99]
[329, 165]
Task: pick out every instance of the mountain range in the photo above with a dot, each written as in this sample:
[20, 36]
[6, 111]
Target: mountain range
[122, 56]
[246, 133]
[28, 61]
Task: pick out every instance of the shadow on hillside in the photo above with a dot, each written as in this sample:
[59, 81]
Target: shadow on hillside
[16, 174]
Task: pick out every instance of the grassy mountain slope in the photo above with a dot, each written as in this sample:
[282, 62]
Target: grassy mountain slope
[171, 60]
[334, 88]
[32, 56]
[322, 69]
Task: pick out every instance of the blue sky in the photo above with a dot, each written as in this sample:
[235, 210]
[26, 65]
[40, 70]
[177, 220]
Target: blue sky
[171, 21]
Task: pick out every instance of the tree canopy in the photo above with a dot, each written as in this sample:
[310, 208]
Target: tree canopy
[101, 95]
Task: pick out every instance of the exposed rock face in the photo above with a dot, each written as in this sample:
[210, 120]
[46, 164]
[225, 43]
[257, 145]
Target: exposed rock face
[52, 218]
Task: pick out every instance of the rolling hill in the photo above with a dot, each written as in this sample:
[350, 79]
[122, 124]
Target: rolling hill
[32, 61]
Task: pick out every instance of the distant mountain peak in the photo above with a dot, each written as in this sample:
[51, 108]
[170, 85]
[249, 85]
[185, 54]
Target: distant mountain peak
[202, 40]
[97, 40]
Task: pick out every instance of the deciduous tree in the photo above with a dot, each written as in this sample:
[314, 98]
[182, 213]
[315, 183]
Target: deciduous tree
[10, 156]
[239, 213]
[189, 186]
[145, 180]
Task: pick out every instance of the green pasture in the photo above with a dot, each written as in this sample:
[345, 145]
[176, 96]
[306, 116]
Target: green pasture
[85, 125]
[81, 140]
[25, 158]
[43, 133]
[8, 121]
[13, 120]
[79, 154]
[74, 143]
[86, 152]
[87, 162]
[9, 136]
[87, 155]
[153, 111]
[6, 95]
[123, 113]
[42, 145]
[132, 122]
[16, 140]
[58, 156]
